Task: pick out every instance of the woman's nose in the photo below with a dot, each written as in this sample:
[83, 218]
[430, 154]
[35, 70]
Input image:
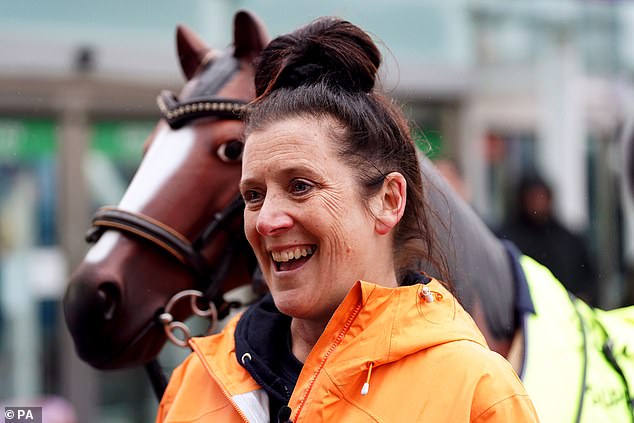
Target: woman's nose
[273, 217]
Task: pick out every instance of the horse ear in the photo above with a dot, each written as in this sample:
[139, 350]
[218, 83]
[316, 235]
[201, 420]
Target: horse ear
[249, 35]
[191, 50]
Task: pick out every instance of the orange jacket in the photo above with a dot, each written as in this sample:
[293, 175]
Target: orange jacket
[429, 363]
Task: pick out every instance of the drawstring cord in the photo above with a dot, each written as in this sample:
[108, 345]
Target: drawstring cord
[366, 385]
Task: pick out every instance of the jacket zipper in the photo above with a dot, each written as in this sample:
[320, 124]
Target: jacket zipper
[201, 357]
[334, 345]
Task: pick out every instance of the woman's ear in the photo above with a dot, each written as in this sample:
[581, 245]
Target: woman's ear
[390, 203]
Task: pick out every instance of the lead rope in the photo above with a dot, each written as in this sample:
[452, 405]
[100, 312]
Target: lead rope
[157, 378]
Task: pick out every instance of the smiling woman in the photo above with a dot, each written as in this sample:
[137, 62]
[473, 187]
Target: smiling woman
[336, 215]
[301, 196]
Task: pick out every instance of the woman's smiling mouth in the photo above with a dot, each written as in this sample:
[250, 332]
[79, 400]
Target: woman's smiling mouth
[292, 258]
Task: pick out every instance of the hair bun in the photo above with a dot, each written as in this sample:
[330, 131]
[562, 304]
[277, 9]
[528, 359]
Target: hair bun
[328, 49]
[298, 75]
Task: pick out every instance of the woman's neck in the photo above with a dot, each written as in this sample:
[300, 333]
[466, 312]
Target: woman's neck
[304, 336]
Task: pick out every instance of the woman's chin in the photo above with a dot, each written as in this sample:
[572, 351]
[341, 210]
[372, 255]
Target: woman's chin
[290, 307]
[292, 304]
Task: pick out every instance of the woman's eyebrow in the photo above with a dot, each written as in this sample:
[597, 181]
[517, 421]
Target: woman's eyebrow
[245, 183]
[291, 170]
[295, 169]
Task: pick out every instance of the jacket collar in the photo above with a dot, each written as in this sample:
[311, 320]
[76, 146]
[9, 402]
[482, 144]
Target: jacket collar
[380, 325]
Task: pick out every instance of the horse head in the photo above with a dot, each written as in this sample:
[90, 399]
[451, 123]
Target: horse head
[178, 226]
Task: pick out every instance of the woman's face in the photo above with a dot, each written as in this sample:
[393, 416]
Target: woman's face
[304, 217]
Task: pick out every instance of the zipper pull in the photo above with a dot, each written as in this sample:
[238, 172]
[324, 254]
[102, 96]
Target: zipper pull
[366, 385]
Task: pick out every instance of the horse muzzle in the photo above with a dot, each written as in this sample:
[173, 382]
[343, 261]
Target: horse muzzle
[94, 314]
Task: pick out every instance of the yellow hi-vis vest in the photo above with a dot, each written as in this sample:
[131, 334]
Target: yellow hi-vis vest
[578, 361]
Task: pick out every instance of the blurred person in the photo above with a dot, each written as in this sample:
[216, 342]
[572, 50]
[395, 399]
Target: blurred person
[536, 231]
[334, 198]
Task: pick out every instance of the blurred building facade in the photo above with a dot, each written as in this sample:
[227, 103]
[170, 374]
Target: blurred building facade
[499, 87]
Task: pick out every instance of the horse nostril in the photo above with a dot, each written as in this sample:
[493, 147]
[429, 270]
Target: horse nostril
[108, 298]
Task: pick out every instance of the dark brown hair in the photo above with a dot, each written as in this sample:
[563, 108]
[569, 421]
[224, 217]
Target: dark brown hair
[328, 70]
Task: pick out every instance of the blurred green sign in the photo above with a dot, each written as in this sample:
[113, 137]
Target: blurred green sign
[25, 139]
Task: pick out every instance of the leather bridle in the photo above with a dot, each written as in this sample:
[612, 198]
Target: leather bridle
[208, 277]
[162, 235]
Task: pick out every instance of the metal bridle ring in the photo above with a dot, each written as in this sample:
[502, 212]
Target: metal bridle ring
[172, 326]
[210, 311]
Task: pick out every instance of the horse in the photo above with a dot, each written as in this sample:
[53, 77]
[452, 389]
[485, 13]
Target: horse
[126, 298]
[172, 246]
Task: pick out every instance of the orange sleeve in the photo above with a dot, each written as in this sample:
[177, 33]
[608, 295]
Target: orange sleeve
[499, 395]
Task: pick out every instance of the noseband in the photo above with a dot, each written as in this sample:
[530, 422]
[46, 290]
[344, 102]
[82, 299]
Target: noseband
[164, 236]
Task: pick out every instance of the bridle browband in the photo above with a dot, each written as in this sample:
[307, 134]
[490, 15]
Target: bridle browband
[177, 114]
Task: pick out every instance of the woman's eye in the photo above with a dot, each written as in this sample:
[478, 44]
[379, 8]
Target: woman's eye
[230, 151]
[251, 196]
[300, 187]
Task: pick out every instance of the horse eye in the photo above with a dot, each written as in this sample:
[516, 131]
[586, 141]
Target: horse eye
[230, 151]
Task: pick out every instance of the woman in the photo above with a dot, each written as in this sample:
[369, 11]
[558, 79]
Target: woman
[335, 214]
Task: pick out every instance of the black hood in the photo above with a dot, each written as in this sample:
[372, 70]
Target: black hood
[262, 339]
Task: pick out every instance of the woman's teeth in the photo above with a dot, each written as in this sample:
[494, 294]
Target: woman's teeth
[291, 253]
